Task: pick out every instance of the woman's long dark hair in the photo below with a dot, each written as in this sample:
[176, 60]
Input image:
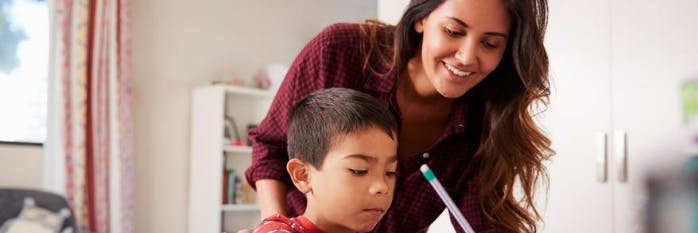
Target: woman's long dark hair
[512, 147]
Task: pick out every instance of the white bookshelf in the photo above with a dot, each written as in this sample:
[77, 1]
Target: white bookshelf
[237, 149]
[246, 91]
[240, 207]
[210, 154]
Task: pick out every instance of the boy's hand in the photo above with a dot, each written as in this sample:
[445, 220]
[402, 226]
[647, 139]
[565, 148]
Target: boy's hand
[245, 231]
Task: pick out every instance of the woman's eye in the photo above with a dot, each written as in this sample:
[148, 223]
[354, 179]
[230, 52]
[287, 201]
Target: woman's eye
[489, 45]
[452, 33]
[358, 172]
[391, 174]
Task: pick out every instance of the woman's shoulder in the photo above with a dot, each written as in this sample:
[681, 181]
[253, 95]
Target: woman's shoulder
[342, 28]
[340, 34]
[350, 34]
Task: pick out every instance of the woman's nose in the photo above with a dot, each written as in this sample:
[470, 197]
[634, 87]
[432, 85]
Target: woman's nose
[467, 53]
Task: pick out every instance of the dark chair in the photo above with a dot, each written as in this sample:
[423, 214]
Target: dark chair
[12, 202]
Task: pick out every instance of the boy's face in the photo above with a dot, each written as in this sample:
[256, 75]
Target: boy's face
[354, 187]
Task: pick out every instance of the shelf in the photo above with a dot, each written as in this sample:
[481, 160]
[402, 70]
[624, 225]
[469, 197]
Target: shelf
[238, 149]
[211, 153]
[247, 91]
[240, 207]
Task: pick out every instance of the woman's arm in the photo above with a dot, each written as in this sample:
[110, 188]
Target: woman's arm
[271, 197]
[328, 60]
[267, 173]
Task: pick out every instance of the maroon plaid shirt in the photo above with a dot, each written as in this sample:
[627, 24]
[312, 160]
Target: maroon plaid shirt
[333, 59]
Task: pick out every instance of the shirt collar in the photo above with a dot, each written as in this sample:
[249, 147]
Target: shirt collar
[308, 226]
[459, 116]
[386, 84]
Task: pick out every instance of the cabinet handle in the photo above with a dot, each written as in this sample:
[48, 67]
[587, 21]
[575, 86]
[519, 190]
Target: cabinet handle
[621, 154]
[601, 157]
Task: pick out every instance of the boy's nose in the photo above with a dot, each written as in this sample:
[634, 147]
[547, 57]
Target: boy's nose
[379, 186]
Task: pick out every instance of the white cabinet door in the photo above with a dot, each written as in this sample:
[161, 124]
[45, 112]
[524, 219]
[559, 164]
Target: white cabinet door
[655, 48]
[579, 113]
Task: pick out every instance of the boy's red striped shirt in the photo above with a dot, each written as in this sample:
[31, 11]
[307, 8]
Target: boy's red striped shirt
[281, 224]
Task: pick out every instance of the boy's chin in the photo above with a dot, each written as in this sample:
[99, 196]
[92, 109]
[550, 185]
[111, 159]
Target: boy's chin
[365, 229]
[366, 226]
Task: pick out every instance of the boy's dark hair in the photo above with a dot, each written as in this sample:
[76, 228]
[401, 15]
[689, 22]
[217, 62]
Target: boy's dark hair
[322, 118]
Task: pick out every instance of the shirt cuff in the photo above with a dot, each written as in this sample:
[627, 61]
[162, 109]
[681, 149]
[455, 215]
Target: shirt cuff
[267, 170]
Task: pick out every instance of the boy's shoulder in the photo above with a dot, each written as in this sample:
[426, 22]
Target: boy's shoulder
[282, 224]
[276, 223]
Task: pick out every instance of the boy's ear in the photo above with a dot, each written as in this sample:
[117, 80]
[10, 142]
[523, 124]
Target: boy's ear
[300, 174]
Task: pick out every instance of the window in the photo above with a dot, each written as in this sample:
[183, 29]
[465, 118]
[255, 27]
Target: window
[24, 52]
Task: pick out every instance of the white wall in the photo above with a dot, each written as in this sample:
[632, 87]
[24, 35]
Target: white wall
[180, 44]
[389, 11]
[20, 166]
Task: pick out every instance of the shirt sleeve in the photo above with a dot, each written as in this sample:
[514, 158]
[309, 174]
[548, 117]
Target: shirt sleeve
[274, 224]
[314, 68]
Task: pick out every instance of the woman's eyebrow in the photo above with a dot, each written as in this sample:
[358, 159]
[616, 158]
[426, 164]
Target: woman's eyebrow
[465, 25]
[459, 21]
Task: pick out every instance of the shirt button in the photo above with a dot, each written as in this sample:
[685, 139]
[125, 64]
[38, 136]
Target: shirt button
[460, 125]
[425, 155]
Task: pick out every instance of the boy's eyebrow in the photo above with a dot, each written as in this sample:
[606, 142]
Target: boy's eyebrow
[360, 156]
[369, 159]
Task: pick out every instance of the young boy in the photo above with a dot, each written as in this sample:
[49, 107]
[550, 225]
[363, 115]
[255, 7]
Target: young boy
[342, 146]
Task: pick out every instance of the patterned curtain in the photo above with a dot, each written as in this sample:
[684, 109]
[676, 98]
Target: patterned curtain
[89, 151]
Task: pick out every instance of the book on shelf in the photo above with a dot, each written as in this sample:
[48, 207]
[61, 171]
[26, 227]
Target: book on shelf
[235, 190]
[225, 187]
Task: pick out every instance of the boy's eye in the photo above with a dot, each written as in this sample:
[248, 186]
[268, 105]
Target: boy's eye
[358, 172]
[391, 174]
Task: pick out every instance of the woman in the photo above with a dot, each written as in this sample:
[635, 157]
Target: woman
[461, 76]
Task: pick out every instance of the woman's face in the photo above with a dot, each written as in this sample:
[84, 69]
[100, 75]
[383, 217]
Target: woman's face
[463, 41]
